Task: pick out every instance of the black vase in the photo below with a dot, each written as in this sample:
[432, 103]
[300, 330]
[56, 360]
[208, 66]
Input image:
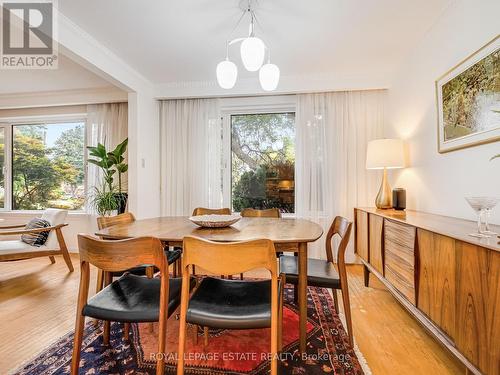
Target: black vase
[399, 199]
[121, 198]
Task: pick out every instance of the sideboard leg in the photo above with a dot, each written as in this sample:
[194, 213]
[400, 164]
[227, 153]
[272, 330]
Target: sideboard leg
[366, 274]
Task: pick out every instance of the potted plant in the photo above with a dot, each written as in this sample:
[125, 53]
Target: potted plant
[109, 197]
[118, 160]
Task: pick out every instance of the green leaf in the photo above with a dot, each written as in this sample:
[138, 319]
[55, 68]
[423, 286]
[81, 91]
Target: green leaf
[495, 157]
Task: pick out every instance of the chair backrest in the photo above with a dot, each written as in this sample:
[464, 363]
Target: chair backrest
[119, 255]
[342, 227]
[108, 221]
[211, 211]
[55, 217]
[252, 212]
[229, 258]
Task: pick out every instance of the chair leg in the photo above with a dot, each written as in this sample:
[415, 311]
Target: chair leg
[241, 276]
[195, 334]
[126, 330]
[347, 312]
[98, 288]
[149, 274]
[366, 275]
[64, 249]
[335, 300]
[77, 343]
[52, 260]
[108, 278]
[296, 294]
[182, 323]
[205, 338]
[280, 317]
[105, 332]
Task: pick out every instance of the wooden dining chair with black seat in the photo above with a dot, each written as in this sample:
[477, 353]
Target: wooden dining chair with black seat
[140, 270]
[324, 273]
[268, 212]
[232, 304]
[126, 218]
[130, 298]
[198, 211]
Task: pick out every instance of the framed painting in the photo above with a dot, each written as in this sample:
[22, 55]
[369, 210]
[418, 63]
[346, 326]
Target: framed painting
[468, 100]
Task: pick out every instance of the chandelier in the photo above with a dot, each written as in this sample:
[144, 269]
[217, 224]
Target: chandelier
[253, 53]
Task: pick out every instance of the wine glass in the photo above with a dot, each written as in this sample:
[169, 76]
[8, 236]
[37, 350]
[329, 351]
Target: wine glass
[479, 205]
[490, 203]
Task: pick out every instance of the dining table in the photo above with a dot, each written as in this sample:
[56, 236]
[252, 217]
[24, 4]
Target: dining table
[287, 234]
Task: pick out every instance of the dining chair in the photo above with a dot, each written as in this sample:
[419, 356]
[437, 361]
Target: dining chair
[210, 211]
[140, 270]
[126, 218]
[130, 298]
[324, 273]
[232, 304]
[269, 212]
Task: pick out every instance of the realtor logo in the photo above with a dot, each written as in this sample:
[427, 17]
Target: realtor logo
[28, 31]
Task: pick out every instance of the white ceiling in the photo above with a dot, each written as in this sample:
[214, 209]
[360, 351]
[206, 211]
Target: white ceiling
[182, 41]
[68, 76]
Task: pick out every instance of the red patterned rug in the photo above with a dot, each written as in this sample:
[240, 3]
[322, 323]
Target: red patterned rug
[228, 352]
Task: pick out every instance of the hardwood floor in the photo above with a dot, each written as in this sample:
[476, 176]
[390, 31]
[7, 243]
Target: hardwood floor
[37, 306]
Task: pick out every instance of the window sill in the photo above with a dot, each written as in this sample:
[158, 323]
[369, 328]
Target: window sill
[37, 212]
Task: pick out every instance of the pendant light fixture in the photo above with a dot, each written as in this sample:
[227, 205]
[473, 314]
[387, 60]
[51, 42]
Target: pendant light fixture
[253, 52]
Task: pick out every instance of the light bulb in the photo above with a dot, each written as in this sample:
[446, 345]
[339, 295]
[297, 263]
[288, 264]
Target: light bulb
[227, 72]
[269, 76]
[252, 53]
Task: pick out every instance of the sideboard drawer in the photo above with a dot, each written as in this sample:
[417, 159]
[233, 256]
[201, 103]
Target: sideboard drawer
[399, 244]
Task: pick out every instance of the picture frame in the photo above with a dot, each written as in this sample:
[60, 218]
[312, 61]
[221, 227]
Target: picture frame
[468, 100]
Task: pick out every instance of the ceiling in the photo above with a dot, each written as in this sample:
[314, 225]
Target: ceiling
[68, 76]
[182, 41]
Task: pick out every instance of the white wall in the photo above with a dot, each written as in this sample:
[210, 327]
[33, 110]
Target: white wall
[437, 182]
[144, 155]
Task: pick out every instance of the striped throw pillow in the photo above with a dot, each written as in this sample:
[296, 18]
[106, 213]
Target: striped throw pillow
[36, 239]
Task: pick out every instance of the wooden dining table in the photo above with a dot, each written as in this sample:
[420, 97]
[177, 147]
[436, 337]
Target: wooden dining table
[288, 234]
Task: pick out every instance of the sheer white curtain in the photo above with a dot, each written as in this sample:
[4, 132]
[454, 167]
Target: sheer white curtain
[332, 133]
[191, 155]
[106, 124]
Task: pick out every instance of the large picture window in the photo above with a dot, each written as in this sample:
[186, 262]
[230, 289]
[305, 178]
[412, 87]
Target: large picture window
[263, 161]
[43, 165]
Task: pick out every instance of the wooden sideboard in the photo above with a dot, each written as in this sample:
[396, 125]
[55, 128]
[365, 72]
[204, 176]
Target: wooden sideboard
[449, 281]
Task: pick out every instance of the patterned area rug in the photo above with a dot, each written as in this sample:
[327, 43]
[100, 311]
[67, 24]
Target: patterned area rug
[228, 352]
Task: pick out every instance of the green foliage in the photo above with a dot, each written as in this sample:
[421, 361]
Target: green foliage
[110, 162]
[38, 173]
[107, 198]
[104, 200]
[261, 144]
[68, 148]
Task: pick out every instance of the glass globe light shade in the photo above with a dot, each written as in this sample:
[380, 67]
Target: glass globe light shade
[269, 76]
[252, 53]
[227, 72]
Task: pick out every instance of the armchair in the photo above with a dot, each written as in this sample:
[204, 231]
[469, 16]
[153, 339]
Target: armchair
[11, 250]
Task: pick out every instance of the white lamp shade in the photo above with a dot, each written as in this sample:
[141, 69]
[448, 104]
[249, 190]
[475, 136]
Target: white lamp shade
[385, 153]
[269, 76]
[252, 52]
[227, 72]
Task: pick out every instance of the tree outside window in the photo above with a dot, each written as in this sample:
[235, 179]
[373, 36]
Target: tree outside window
[263, 161]
[48, 166]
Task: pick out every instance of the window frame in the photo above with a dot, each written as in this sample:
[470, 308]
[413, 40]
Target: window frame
[226, 142]
[8, 125]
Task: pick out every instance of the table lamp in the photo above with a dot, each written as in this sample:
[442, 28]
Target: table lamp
[385, 154]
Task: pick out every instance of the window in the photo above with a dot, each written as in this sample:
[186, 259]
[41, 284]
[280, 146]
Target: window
[263, 161]
[45, 166]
